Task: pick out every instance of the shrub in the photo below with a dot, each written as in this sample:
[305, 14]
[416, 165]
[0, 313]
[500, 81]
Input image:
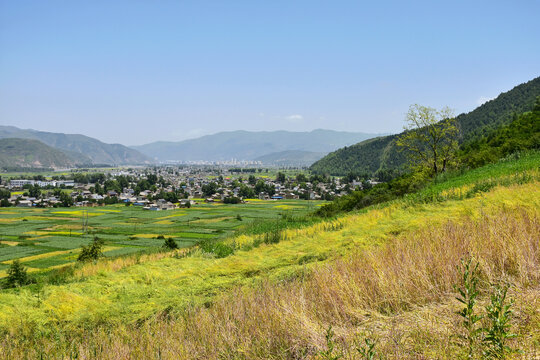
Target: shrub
[92, 252]
[498, 331]
[219, 249]
[330, 353]
[17, 275]
[170, 244]
[468, 293]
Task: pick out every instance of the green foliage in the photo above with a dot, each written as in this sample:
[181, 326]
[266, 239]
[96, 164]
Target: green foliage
[374, 195]
[170, 244]
[218, 248]
[367, 350]
[17, 275]
[232, 200]
[381, 154]
[274, 236]
[468, 293]
[209, 189]
[92, 252]
[498, 314]
[523, 133]
[430, 139]
[331, 353]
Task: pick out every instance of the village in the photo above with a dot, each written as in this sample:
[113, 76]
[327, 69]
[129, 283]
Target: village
[169, 187]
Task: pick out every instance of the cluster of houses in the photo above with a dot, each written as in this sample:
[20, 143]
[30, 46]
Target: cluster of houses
[188, 185]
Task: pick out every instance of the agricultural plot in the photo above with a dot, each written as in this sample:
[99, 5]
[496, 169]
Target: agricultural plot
[48, 238]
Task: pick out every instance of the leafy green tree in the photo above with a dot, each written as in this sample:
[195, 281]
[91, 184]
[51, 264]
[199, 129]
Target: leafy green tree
[34, 191]
[431, 137]
[92, 252]
[170, 244]
[17, 275]
[252, 180]
[65, 199]
[209, 189]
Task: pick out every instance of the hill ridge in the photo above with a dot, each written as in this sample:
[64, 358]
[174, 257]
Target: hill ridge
[380, 155]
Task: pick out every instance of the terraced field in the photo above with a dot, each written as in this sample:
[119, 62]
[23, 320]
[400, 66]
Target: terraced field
[48, 238]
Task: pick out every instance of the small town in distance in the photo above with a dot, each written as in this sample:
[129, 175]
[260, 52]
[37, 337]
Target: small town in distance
[168, 187]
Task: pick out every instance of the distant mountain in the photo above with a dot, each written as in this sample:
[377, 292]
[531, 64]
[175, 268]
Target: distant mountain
[93, 149]
[27, 153]
[381, 154]
[297, 158]
[248, 145]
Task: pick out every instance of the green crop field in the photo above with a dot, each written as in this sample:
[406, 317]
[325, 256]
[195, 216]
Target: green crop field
[46, 238]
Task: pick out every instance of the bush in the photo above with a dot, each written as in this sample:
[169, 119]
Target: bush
[17, 275]
[219, 249]
[170, 244]
[232, 200]
[92, 252]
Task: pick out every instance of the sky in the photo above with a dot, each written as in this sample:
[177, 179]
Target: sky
[134, 72]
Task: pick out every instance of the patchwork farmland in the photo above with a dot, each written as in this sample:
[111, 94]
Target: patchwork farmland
[52, 237]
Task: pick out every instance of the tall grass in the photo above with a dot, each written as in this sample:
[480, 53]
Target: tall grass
[401, 293]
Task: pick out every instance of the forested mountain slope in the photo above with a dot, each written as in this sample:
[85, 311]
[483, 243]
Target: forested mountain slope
[381, 155]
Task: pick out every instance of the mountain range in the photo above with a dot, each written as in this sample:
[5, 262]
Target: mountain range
[82, 149]
[28, 153]
[250, 145]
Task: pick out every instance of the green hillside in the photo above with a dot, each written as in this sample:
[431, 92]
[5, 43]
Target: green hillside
[93, 149]
[381, 154]
[26, 153]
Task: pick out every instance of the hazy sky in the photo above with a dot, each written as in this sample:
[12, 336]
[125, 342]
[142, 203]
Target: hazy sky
[139, 71]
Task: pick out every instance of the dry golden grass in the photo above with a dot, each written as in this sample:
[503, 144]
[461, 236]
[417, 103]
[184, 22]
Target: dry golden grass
[400, 293]
[116, 264]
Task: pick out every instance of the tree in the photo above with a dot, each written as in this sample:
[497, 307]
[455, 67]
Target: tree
[16, 275]
[170, 244]
[430, 137]
[34, 191]
[209, 189]
[65, 199]
[93, 251]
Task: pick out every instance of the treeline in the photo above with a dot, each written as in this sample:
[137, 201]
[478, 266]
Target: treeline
[522, 134]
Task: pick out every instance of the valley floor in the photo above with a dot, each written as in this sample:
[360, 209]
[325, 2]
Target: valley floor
[386, 273]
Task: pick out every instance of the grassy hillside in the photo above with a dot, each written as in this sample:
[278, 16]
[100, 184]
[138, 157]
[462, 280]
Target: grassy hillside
[386, 272]
[248, 145]
[381, 154]
[25, 153]
[97, 151]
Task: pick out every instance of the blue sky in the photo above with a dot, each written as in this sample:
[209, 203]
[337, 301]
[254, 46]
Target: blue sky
[139, 71]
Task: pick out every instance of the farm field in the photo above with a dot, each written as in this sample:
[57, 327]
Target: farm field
[52, 237]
